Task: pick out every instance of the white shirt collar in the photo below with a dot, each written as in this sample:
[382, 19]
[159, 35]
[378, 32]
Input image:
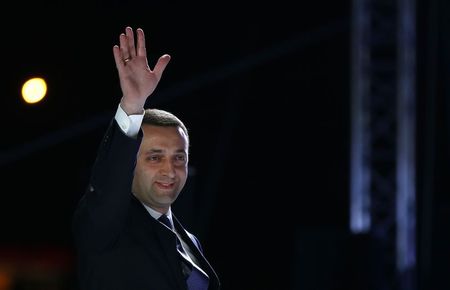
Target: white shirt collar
[156, 214]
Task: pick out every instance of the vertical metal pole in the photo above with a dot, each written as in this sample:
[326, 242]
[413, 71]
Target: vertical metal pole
[406, 140]
[360, 218]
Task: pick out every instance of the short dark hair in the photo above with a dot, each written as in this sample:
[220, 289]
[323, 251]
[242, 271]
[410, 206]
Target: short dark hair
[158, 117]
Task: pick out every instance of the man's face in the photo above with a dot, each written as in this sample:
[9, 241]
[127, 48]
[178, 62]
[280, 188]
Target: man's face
[162, 166]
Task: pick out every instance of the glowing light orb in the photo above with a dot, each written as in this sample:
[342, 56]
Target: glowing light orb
[34, 90]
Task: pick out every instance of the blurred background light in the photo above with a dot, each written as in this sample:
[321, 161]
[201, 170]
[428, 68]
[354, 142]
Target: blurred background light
[34, 90]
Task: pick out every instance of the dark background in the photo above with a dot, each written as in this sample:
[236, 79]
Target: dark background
[264, 89]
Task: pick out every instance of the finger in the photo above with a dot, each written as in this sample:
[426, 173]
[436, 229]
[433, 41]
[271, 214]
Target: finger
[124, 50]
[118, 56]
[141, 50]
[161, 65]
[130, 38]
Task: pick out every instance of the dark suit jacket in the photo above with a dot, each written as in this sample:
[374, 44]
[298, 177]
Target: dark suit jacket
[119, 244]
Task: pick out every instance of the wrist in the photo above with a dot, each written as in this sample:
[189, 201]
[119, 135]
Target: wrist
[131, 109]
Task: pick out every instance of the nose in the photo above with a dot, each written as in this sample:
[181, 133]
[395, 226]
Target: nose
[168, 169]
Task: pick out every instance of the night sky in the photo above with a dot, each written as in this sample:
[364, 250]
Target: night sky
[264, 89]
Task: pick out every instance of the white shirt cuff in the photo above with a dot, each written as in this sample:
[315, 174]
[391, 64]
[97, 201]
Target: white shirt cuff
[131, 124]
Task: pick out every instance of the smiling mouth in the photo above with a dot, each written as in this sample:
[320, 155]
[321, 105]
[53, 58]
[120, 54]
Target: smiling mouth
[165, 185]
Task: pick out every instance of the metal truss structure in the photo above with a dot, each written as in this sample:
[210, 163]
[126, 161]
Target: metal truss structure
[383, 138]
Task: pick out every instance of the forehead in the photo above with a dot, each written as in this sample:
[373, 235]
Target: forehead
[164, 136]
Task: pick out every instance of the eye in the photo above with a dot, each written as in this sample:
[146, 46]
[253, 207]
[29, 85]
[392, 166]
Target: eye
[180, 158]
[153, 158]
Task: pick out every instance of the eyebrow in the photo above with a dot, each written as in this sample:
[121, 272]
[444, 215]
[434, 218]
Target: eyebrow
[149, 151]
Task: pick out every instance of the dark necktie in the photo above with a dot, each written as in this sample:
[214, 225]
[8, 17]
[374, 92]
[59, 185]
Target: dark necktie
[196, 280]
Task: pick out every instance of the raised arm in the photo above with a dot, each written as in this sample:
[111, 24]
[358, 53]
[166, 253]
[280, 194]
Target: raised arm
[137, 79]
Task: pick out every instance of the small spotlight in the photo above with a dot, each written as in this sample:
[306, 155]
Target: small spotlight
[34, 90]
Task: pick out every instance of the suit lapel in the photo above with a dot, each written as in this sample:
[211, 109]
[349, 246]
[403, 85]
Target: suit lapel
[195, 250]
[158, 241]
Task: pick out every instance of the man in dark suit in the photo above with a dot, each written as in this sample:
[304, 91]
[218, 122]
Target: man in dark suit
[126, 235]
